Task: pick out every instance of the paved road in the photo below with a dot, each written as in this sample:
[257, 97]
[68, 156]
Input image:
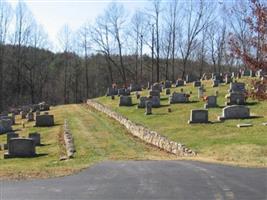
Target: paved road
[146, 180]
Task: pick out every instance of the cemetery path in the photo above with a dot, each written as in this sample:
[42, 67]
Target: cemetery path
[187, 180]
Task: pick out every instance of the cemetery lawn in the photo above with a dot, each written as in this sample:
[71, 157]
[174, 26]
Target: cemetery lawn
[217, 142]
[96, 137]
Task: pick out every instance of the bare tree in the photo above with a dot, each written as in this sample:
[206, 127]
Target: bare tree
[235, 16]
[100, 37]
[196, 18]
[65, 43]
[116, 18]
[5, 18]
[156, 12]
[39, 40]
[23, 27]
[85, 35]
[173, 11]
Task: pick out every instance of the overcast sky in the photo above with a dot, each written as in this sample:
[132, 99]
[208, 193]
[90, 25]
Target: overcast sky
[53, 14]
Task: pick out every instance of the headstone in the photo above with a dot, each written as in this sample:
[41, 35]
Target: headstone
[154, 93]
[197, 83]
[211, 102]
[124, 92]
[155, 100]
[5, 125]
[239, 75]
[125, 101]
[236, 99]
[233, 75]
[243, 125]
[23, 114]
[228, 79]
[36, 137]
[179, 83]
[20, 147]
[168, 91]
[111, 91]
[178, 98]
[217, 77]
[168, 84]
[37, 112]
[215, 83]
[8, 117]
[44, 120]
[148, 108]
[246, 73]
[199, 116]
[142, 102]
[137, 94]
[43, 106]
[235, 112]
[252, 73]
[11, 135]
[30, 117]
[13, 117]
[157, 86]
[135, 87]
[200, 92]
[237, 87]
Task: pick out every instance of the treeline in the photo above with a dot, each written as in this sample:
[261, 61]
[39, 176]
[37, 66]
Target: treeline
[60, 78]
[165, 40]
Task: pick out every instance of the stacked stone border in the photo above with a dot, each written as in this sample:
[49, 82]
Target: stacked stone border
[69, 141]
[148, 136]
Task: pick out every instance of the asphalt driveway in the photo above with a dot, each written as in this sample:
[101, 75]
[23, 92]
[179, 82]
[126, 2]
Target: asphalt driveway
[182, 180]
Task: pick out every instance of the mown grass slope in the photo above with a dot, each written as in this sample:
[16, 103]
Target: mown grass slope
[97, 138]
[222, 142]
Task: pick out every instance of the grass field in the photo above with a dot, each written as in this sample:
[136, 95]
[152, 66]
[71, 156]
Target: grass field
[222, 142]
[96, 137]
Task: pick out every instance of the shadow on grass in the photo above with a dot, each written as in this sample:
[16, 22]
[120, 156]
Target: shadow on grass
[164, 98]
[43, 145]
[40, 155]
[250, 117]
[57, 124]
[160, 113]
[29, 157]
[162, 106]
[251, 103]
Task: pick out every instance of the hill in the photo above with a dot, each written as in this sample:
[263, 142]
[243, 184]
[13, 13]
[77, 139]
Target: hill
[96, 138]
[218, 141]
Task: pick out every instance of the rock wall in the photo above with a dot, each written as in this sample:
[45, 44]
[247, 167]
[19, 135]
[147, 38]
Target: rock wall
[151, 137]
[69, 141]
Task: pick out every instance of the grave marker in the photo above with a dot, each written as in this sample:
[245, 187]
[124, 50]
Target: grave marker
[148, 108]
[199, 116]
[235, 112]
[44, 120]
[211, 102]
[125, 101]
[20, 147]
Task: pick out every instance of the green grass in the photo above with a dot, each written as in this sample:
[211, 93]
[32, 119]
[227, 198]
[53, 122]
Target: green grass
[96, 137]
[222, 142]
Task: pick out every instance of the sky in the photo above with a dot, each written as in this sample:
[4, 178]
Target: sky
[53, 14]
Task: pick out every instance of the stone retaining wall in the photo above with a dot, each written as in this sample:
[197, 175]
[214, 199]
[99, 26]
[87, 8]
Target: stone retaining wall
[151, 137]
[69, 141]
